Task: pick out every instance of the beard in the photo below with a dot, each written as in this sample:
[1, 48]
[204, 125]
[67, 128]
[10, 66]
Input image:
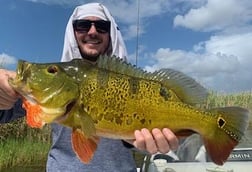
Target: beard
[94, 57]
[89, 57]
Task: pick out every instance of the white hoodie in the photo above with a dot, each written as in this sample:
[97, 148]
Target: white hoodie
[71, 50]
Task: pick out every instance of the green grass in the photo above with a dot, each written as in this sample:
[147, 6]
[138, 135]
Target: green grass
[243, 99]
[23, 146]
[23, 152]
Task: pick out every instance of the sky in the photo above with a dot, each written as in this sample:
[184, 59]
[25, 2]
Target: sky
[209, 40]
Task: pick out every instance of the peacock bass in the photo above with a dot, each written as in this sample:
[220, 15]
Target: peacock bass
[113, 98]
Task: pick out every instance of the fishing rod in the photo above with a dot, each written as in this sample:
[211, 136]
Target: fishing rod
[137, 32]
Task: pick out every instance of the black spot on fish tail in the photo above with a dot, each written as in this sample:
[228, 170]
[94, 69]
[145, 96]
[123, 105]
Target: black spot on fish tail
[232, 123]
[221, 122]
[134, 85]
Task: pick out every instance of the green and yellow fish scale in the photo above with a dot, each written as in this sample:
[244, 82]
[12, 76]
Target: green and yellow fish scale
[120, 104]
[113, 99]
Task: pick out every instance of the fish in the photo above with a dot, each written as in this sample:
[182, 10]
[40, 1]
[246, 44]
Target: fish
[112, 98]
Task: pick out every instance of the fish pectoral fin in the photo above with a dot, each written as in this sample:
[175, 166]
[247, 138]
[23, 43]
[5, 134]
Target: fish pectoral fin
[83, 146]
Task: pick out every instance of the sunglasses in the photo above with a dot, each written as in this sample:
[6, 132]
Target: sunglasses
[84, 26]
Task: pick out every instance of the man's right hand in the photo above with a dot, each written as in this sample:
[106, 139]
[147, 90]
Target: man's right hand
[7, 95]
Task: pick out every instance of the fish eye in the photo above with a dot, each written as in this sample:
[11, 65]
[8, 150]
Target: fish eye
[52, 69]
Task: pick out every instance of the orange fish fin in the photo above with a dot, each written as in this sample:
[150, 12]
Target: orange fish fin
[84, 147]
[33, 112]
[220, 149]
[232, 123]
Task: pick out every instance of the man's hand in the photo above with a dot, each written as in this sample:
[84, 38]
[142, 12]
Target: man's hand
[7, 95]
[155, 141]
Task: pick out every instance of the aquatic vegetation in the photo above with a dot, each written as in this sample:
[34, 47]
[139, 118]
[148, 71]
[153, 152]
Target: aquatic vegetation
[23, 152]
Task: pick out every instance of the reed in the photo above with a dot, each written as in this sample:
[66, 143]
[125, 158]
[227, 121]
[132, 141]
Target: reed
[21, 145]
[22, 152]
[19, 129]
[243, 99]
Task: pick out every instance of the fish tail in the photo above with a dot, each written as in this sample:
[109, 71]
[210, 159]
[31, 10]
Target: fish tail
[231, 125]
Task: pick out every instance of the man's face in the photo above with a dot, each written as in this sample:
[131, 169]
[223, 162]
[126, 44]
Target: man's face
[92, 43]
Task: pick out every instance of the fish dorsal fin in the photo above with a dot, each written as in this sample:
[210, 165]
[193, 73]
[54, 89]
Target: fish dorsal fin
[115, 64]
[185, 87]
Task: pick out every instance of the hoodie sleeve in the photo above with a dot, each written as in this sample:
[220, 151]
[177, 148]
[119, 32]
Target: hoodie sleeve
[11, 114]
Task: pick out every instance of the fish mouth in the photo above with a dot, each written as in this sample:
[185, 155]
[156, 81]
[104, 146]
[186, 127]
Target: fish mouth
[69, 108]
[30, 98]
[20, 87]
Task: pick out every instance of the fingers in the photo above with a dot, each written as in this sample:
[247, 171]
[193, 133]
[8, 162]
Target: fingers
[161, 142]
[7, 95]
[10, 74]
[155, 141]
[139, 143]
[171, 138]
[145, 142]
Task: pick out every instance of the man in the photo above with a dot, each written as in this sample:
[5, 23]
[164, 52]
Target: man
[91, 31]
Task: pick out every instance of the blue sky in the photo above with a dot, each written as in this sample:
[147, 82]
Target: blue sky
[210, 40]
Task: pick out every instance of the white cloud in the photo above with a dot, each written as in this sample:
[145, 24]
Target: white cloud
[131, 31]
[236, 44]
[216, 15]
[125, 12]
[203, 65]
[221, 63]
[6, 60]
